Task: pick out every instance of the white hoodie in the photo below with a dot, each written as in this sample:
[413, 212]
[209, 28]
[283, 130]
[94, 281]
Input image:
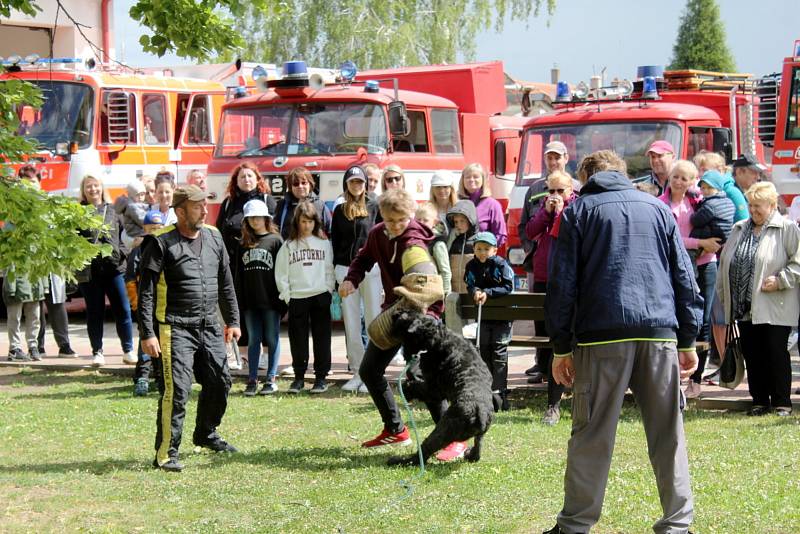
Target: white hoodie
[304, 268]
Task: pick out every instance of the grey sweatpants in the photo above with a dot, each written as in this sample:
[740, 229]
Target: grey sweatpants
[15, 311]
[602, 375]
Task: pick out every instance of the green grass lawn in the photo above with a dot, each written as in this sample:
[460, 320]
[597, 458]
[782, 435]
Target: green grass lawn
[76, 450]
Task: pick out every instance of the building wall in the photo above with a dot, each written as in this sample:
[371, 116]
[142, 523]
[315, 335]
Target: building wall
[25, 35]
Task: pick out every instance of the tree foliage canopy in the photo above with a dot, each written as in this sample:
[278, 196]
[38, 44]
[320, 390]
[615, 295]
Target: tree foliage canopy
[701, 42]
[374, 33]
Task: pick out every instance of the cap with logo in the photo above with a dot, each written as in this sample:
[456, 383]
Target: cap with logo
[355, 173]
[154, 217]
[188, 192]
[486, 237]
[255, 208]
[556, 147]
[745, 161]
[661, 147]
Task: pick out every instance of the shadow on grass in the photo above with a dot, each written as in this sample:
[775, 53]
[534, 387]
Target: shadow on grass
[85, 392]
[46, 378]
[94, 467]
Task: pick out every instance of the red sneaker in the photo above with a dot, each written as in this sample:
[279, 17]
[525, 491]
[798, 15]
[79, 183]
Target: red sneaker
[452, 452]
[387, 438]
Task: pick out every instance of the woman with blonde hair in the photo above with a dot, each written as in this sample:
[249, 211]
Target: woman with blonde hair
[758, 286]
[392, 178]
[474, 186]
[443, 196]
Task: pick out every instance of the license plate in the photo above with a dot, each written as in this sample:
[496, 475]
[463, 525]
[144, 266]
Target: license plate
[520, 283]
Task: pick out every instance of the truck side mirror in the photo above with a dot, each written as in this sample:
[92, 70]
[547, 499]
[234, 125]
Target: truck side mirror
[117, 116]
[399, 124]
[499, 157]
[722, 143]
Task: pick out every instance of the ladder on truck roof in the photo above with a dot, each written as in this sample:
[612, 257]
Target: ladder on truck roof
[704, 80]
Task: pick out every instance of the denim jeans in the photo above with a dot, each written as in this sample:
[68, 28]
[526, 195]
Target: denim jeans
[94, 293]
[706, 279]
[264, 326]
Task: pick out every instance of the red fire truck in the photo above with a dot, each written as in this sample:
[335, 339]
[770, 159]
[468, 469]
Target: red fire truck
[693, 110]
[422, 119]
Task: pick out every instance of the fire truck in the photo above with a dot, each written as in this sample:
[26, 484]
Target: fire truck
[693, 110]
[422, 119]
[114, 123]
[779, 125]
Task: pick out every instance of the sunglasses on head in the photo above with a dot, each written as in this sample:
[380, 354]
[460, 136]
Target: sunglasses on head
[392, 179]
[554, 191]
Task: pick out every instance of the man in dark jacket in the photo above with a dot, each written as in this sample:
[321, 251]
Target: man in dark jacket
[184, 274]
[621, 286]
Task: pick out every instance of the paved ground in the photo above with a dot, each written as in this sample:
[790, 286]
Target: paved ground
[519, 360]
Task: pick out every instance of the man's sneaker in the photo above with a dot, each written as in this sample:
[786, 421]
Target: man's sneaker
[320, 386]
[217, 445]
[353, 384]
[98, 360]
[758, 411]
[536, 378]
[250, 389]
[452, 452]
[173, 465]
[530, 371]
[269, 388]
[692, 390]
[296, 386]
[552, 415]
[129, 358]
[67, 352]
[42, 352]
[387, 438]
[17, 355]
[34, 354]
[141, 388]
[783, 411]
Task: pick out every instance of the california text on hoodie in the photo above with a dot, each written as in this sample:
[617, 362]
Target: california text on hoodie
[388, 253]
[304, 268]
[621, 251]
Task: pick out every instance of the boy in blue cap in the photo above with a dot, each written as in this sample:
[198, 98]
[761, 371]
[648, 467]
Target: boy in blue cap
[487, 276]
[153, 220]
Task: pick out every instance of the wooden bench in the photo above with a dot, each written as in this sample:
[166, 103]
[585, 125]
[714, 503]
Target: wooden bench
[518, 306]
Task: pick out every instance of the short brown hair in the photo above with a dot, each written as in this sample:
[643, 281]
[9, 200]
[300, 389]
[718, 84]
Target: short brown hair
[602, 160]
[397, 200]
[297, 175]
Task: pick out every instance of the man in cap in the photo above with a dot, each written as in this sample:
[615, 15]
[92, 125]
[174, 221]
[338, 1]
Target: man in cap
[662, 155]
[555, 159]
[746, 172]
[184, 274]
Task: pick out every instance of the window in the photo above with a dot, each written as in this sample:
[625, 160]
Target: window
[700, 138]
[118, 118]
[793, 114]
[66, 114]
[154, 110]
[198, 131]
[446, 137]
[417, 139]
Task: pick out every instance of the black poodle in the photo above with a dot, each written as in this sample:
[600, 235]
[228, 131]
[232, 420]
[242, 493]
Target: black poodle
[451, 370]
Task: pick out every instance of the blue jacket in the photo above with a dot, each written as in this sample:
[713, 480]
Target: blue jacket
[619, 270]
[713, 218]
[737, 197]
[494, 277]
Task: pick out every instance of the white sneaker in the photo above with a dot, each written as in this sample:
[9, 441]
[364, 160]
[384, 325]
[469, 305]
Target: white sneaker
[233, 365]
[693, 390]
[363, 388]
[263, 361]
[129, 358]
[398, 360]
[792, 342]
[353, 384]
[287, 371]
[98, 360]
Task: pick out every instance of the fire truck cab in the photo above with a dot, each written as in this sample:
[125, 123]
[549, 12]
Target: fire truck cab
[328, 125]
[692, 110]
[114, 124]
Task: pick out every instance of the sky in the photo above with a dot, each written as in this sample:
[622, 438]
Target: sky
[582, 38]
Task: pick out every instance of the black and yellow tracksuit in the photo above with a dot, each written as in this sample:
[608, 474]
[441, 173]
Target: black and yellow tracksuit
[182, 282]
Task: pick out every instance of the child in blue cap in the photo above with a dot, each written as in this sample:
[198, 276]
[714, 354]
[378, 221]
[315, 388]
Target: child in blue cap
[488, 276]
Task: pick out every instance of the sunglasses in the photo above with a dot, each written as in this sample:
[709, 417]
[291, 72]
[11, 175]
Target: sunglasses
[554, 191]
[392, 179]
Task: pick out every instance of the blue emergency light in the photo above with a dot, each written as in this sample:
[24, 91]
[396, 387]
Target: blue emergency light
[371, 86]
[295, 69]
[649, 89]
[562, 92]
[347, 71]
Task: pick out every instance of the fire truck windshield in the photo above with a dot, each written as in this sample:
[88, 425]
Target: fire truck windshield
[66, 115]
[629, 140]
[304, 129]
[793, 114]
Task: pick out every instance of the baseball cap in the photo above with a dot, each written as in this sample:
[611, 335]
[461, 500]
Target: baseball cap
[442, 179]
[714, 179]
[355, 173]
[745, 161]
[154, 217]
[486, 237]
[188, 192]
[256, 208]
[556, 146]
[661, 147]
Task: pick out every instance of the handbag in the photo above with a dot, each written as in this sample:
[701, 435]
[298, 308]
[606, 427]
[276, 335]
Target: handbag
[731, 370]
